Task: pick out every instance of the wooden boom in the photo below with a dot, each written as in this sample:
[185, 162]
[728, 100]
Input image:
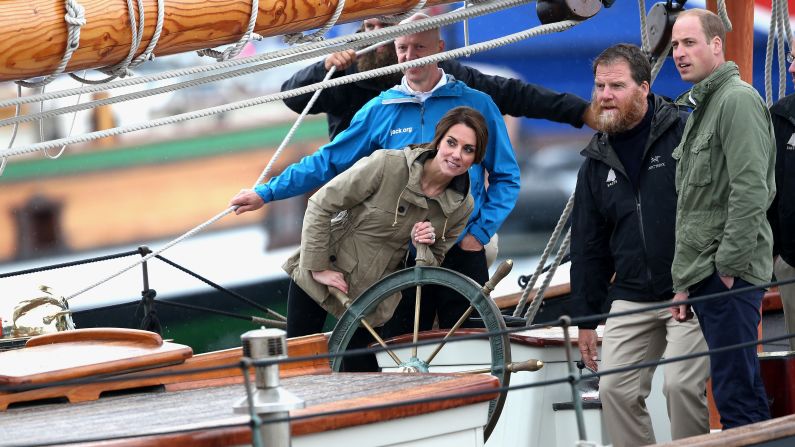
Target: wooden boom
[33, 32]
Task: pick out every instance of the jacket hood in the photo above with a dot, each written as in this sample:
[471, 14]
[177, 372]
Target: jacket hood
[665, 115]
[696, 95]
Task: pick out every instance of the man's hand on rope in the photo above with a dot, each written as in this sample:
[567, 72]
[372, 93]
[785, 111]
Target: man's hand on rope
[332, 279]
[341, 60]
[586, 341]
[246, 200]
[680, 312]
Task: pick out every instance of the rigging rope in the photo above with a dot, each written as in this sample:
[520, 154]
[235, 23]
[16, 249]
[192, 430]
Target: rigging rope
[553, 241]
[484, 46]
[75, 19]
[320, 34]
[277, 58]
[233, 50]
[396, 18]
[779, 33]
[122, 68]
[539, 30]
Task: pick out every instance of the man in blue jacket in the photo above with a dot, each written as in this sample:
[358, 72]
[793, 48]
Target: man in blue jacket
[623, 223]
[407, 114]
[512, 96]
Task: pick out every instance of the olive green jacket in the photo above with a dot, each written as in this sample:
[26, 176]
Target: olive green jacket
[360, 224]
[725, 182]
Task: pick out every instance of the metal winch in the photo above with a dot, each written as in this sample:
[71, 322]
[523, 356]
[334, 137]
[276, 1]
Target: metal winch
[269, 400]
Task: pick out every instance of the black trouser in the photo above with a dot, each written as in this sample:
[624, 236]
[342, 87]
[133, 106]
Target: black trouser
[437, 301]
[306, 317]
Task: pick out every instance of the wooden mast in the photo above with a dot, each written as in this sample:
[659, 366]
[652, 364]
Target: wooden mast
[33, 32]
[740, 41]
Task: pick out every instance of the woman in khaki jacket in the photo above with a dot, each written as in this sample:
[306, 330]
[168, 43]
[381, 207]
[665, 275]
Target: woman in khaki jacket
[357, 228]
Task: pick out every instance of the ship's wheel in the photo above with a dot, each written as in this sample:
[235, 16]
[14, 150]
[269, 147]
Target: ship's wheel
[415, 278]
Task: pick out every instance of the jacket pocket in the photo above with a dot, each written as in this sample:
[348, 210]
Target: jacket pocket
[342, 258]
[701, 169]
[702, 229]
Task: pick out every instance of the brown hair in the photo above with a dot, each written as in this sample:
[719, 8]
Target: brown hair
[710, 23]
[468, 117]
[638, 62]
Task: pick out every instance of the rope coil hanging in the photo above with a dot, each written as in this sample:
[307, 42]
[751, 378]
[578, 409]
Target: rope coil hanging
[318, 35]
[780, 35]
[233, 50]
[75, 19]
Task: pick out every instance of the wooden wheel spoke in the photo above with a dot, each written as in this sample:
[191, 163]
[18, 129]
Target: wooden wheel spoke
[417, 303]
[381, 341]
[452, 330]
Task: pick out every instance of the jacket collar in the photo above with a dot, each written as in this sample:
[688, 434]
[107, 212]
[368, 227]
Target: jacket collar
[701, 91]
[397, 94]
[785, 108]
[665, 116]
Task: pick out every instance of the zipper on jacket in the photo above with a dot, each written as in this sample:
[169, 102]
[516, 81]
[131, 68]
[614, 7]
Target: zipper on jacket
[422, 120]
[643, 240]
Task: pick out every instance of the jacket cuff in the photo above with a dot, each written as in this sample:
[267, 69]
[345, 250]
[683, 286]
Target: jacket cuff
[264, 192]
[315, 261]
[478, 233]
[727, 271]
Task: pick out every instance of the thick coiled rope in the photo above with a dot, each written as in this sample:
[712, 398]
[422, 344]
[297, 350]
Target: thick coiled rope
[779, 33]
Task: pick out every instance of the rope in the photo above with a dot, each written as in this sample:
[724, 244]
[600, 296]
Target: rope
[779, 33]
[17, 109]
[644, 32]
[543, 29]
[71, 127]
[148, 53]
[392, 31]
[256, 320]
[223, 289]
[484, 46]
[553, 241]
[539, 298]
[318, 35]
[303, 114]
[69, 264]
[75, 18]
[658, 64]
[396, 18]
[235, 49]
[122, 68]
[724, 15]
[299, 52]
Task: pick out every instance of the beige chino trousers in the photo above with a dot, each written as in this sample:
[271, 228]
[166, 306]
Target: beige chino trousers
[785, 271]
[644, 337]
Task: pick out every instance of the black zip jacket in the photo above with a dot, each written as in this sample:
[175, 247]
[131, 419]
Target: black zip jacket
[618, 228]
[512, 96]
[782, 211]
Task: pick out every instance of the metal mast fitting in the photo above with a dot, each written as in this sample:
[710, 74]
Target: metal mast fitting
[269, 401]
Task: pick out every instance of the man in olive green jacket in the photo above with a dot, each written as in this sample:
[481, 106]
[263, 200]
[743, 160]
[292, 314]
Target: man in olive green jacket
[725, 182]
